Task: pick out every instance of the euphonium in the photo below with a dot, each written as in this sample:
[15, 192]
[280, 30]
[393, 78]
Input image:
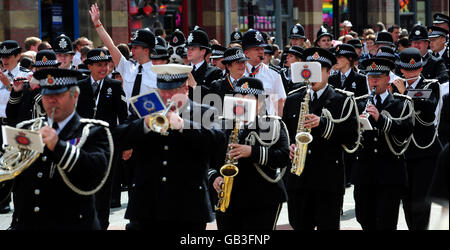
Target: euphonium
[228, 171]
[16, 159]
[303, 136]
[158, 122]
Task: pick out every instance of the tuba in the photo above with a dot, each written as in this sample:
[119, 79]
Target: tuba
[158, 122]
[16, 159]
[228, 171]
[303, 136]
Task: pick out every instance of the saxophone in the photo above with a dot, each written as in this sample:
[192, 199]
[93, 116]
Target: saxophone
[303, 136]
[229, 170]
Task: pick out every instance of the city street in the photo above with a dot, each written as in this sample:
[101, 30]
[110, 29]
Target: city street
[348, 220]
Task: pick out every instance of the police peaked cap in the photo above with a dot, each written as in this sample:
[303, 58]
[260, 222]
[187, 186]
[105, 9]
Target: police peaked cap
[377, 66]
[435, 31]
[9, 47]
[440, 18]
[296, 50]
[46, 58]
[249, 86]
[323, 56]
[55, 80]
[346, 50]
[386, 52]
[410, 59]
[355, 42]
[97, 55]
[234, 55]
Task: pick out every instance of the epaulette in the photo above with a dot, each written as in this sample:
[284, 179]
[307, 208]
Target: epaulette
[24, 69]
[274, 69]
[348, 93]
[296, 90]
[362, 97]
[94, 121]
[402, 96]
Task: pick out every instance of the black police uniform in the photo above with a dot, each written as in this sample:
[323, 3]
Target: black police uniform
[423, 149]
[255, 200]
[107, 104]
[435, 31]
[43, 199]
[444, 121]
[379, 173]
[169, 189]
[315, 197]
[285, 73]
[433, 67]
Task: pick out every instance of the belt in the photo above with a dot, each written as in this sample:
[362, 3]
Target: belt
[3, 120]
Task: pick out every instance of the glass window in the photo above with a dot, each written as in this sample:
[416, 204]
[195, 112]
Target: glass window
[263, 12]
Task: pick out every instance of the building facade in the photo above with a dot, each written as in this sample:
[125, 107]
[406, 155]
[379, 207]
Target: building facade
[49, 18]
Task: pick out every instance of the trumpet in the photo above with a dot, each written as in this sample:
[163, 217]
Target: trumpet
[158, 122]
[228, 171]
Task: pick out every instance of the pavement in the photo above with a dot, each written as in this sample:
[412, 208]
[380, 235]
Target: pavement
[348, 220]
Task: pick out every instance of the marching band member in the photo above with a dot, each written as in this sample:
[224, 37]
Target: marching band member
[260, 149]
[379, 173]
[52, 192]
[169, 188]
[425, 145]
[315, 198]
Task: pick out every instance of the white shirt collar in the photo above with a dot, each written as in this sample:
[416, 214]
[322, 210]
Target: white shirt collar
[319, 92]
[62, 123]
[348, 72]
[383, 97]
[92, 81]
[15, 71]
[198, 65]
[414, 85]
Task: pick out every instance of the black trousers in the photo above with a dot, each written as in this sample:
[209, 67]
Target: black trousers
[377, 206]
[416, 205]
[263, 218]
[308, 209]
[165, 225]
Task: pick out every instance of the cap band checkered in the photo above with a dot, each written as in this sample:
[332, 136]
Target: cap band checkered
[247, 91]
[57, 82]
[319, 59]
[47, 63]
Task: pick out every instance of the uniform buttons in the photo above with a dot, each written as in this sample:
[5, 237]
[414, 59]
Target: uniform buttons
[133, 185]
[309, 151]
[166, 147]
[44, 158]
[40, 174]
[375, 150]
[357, 157]
[200, 187]
[164, 179]
[337, 162]
[164, 163]
[37, 191]
[81, 216]
[36, 209]
[375, 139]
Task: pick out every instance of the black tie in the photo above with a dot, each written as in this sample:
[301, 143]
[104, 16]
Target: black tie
[253, 71]
[96, 90]
[11, 76]
[55, 126]
[137, 82]
[194, 69]
[343, 78]
[315, 98]
[379, 103]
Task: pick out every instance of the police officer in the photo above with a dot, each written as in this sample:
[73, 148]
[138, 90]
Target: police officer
[64, 51]
[234, 61]
[102, 98]
[438, 39]
[323, 39]
[388, 53]
[217, 56]
[315, 197]
[261, 149]
[137, 78]
[346, 77]
[197, 49]
[162, 54]
[169, 189]
[56, 191]
[424, 147]
[441, 20]
[294, 54]
[253, 46]
[433, 68]
[379, 173]
[297, 36]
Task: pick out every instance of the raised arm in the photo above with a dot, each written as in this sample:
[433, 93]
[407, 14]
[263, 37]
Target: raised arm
[107, 40]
